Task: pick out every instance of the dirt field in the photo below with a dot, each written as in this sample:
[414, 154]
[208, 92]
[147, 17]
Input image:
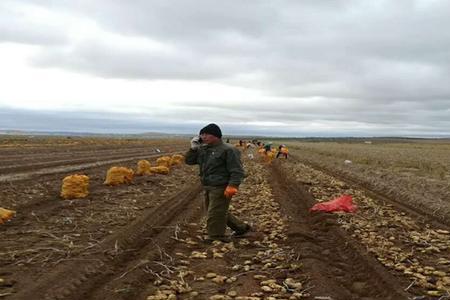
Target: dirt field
[143, 240]
[415, 173]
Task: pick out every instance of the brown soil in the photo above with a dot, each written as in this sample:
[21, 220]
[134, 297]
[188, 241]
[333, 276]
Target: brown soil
[144, 239]
[326, 251]
[424, 187]
[48, 232]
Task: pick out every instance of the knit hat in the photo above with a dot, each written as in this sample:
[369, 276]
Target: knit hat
[212, 129]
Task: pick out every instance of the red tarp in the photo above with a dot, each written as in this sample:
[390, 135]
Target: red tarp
[342, 203]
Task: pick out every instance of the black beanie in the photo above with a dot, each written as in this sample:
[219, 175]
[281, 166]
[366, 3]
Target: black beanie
[212, 129]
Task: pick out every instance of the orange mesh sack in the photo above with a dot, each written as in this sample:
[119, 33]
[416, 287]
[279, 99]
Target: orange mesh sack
[143, 168]
[284, 150]
[119, 175]
[160, 170]
[269, 157]
[75, 186]
[176, 159]
[163, 161]
[6, 215]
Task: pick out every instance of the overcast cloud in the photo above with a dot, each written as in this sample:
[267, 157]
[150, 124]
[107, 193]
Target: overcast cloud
[331, 67]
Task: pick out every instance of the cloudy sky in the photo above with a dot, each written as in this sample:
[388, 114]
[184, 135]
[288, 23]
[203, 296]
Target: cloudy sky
[288, 68]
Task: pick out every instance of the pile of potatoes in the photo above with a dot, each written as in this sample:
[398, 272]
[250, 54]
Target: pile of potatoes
[77, 186]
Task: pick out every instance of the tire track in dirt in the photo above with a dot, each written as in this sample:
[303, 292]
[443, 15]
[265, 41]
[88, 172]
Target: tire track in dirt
[338, 266]
[50, 152]
[62, 153]
[130, 279]
[79, 278]
[52, 161]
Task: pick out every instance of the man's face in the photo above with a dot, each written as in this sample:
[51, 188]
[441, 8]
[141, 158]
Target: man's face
[209, 138]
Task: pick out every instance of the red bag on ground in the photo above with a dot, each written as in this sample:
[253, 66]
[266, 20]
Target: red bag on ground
[342, 203]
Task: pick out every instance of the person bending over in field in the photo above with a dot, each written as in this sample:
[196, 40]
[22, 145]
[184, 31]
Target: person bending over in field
[221, 173]
[268, 147]
[283, 150]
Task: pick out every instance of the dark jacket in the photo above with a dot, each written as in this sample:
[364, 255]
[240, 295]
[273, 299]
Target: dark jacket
[220, 164]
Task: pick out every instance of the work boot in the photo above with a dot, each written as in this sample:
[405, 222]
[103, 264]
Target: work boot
[242, 232]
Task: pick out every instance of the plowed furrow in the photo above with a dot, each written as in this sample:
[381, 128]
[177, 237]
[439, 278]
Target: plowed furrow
[338, 267]
[50, 161]
[44, 153]
[72, 167]
[81, 277]
[422, 214]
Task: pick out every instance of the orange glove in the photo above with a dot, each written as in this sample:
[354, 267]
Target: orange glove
[230, 191]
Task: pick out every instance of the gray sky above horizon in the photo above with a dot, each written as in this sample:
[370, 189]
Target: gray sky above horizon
[301, 68]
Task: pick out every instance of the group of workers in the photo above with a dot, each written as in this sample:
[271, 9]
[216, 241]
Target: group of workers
[281, 151]
[246, 145]
[221, 173]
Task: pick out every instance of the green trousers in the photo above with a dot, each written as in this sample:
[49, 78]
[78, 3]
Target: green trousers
[217, 215]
